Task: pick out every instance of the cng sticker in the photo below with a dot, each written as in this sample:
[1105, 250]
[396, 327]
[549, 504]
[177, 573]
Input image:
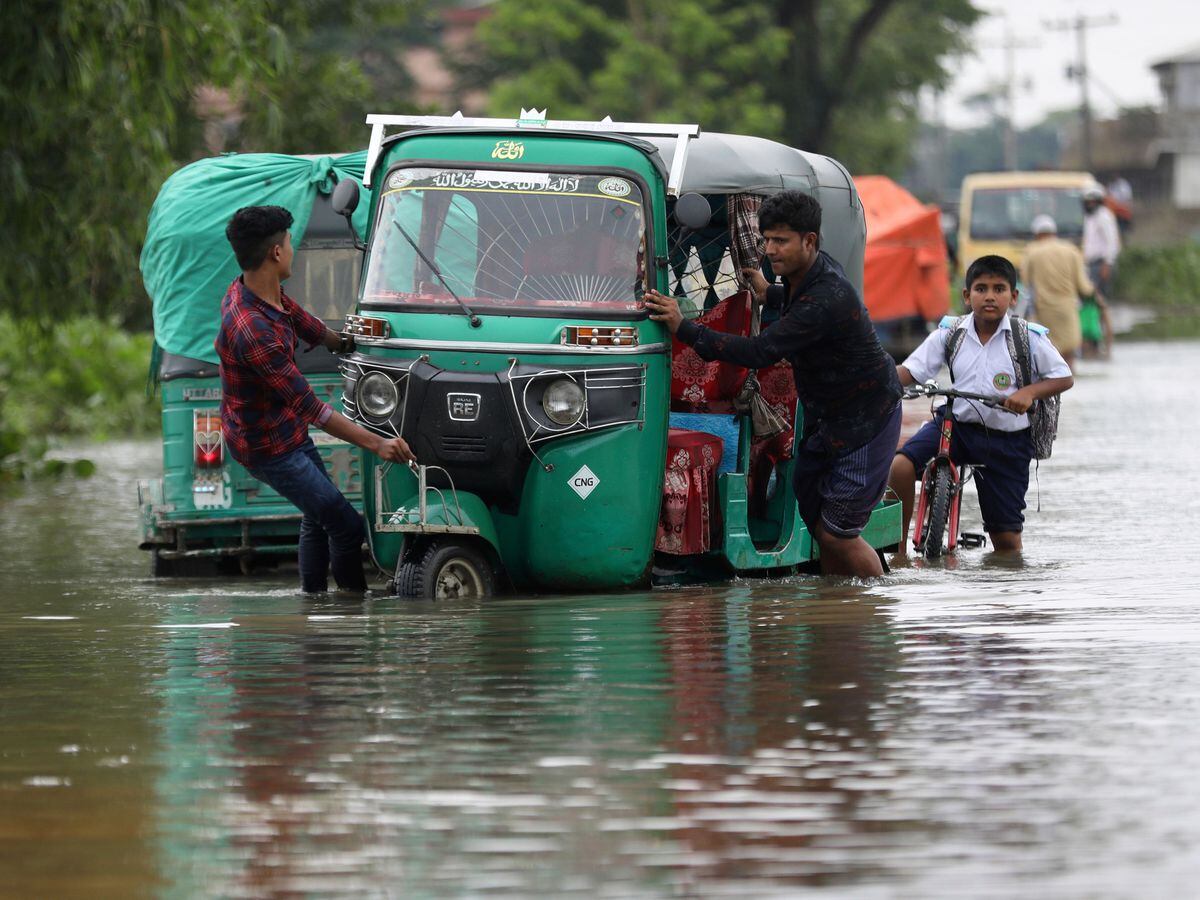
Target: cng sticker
[584, 482]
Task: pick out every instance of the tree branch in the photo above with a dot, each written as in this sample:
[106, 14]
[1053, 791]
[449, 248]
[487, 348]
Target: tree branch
[834, 89]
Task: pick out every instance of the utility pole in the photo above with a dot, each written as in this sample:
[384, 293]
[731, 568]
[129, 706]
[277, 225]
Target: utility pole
[1079, 71]
[1011, 45]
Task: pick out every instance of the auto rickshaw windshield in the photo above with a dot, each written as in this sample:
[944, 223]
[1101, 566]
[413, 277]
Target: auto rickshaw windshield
[509, 239]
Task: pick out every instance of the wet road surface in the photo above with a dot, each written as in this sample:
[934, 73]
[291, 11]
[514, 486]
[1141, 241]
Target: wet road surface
[983, 726]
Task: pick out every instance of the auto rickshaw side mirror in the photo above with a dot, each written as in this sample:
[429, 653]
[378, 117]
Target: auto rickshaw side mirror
[344, 202]
[345, 197]
[693, 211]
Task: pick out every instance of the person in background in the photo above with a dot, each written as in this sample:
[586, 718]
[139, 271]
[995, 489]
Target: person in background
[1120, 189]
[1054, 270]
[1120, 199]
[267, 406]
[1101, 239]
[844, 379]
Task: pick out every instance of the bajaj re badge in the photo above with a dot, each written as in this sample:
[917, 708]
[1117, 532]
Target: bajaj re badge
[463, 407]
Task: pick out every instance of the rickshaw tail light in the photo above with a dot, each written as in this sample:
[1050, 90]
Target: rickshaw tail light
[599, 335]
[208, 444]
[368, 327]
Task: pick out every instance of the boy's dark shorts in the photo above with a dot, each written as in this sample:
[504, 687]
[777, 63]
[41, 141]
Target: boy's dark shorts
[840, 489]
[1003, 456]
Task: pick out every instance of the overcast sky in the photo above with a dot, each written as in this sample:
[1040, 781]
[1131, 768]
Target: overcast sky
[1119, 55]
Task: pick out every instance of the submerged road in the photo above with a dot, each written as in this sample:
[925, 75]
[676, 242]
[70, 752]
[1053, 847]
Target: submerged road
[982, 726]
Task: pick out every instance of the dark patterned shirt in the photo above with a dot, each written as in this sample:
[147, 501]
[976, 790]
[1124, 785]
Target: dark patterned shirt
[846, 383]
[266, 404]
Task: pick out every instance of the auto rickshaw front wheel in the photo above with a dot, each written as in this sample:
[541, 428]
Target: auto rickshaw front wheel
[446, 569]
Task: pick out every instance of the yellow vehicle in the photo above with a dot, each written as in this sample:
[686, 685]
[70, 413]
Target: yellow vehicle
[997, 208]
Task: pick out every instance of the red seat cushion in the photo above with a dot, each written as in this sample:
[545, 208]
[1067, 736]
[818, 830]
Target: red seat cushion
[709, 387]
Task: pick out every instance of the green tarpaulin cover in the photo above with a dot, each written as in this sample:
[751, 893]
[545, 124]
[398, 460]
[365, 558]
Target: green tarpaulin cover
[187, 264]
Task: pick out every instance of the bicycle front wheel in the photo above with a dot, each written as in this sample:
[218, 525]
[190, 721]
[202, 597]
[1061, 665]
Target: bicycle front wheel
[940, 487]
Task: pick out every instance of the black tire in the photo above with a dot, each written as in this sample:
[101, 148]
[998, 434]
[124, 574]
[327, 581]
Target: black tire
[939, 512]
[447, 570]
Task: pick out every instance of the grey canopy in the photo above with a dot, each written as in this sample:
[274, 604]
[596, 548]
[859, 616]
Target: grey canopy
[736, 163]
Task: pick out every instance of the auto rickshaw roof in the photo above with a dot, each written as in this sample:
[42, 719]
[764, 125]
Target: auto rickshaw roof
[737, 163]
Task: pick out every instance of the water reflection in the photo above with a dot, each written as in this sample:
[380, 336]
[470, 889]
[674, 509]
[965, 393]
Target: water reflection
[688, 737]
[973, 726]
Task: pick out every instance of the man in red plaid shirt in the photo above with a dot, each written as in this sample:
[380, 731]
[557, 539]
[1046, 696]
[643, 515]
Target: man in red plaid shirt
[267, 406]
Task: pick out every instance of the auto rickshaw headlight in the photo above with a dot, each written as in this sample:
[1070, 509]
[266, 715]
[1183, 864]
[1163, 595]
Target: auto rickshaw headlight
[377, 395]
[564, 402]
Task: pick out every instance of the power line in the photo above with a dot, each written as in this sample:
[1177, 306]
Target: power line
[1010, 46]
[1079, 72]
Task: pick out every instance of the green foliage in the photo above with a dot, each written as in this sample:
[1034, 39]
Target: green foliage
[834, 77]
[590, 59]
[91, 95]
[1166, 276]
[854, 68]
[97, 106]
[84, 378]
[331, 63]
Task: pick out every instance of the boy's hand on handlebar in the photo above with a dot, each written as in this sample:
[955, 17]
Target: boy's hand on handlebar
[394, 450]
[1020, 401]
[663, 309]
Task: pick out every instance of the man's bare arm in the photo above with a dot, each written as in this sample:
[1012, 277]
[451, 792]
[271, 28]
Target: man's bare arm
[389, 449]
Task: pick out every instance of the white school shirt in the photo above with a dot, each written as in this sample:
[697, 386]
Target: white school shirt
[985, 368]
[1101, 236]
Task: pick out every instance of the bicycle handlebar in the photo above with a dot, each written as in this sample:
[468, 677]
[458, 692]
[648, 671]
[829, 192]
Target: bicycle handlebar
[931, 389]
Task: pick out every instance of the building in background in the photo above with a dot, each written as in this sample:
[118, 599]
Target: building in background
[1179, 142]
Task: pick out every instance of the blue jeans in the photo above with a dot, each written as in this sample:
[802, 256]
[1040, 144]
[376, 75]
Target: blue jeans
[331, 532]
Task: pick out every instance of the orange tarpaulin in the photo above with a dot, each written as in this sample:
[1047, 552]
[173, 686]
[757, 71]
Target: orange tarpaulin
[905, 270]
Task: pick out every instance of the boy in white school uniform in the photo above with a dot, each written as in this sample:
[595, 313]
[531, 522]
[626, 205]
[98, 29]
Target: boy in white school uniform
[995, 440]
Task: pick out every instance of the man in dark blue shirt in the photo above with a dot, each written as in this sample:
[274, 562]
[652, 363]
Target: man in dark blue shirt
[846, 383]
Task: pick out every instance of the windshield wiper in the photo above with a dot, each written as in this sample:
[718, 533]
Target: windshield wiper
[471, 317]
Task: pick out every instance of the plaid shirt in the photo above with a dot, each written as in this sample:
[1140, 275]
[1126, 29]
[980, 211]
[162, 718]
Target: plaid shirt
[266, 404]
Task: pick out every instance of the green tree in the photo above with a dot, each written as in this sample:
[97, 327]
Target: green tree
[854, 68]
[341, 61]
[834, 76]
[96, 102]
[674, 60]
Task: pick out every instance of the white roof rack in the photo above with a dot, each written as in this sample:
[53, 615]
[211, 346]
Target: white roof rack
[533, 119]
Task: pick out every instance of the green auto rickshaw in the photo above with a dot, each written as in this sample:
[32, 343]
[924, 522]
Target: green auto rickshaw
[207, 512]
[563, 444]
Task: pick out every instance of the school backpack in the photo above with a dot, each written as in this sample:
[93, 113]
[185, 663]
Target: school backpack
[1043, 415]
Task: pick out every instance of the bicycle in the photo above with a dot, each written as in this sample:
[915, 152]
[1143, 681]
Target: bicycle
[935, 524]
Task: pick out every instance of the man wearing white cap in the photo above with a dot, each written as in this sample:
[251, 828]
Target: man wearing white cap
[1101, 238]
[1054, 270]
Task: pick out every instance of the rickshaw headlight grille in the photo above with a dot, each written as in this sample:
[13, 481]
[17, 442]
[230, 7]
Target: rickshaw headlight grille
[564, 402]
[377, 395]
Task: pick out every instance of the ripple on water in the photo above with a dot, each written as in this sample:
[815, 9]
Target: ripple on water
[980, 726]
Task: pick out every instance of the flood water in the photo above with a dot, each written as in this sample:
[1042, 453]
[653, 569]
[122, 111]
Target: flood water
[984, 727]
